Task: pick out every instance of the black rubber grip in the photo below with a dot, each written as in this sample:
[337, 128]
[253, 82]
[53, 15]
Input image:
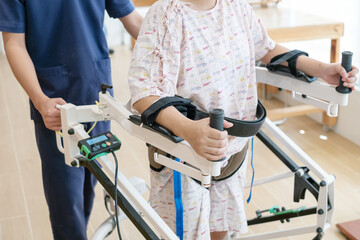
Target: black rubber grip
[217, 119]
[346, 62]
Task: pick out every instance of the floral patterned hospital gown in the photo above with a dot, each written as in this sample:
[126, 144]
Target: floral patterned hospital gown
[208, 57]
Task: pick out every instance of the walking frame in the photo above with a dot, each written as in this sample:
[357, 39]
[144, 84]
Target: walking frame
[131, 201]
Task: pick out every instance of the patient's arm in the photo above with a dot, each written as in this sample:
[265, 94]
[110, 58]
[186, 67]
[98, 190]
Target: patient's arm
[329, 72]
[206, 141]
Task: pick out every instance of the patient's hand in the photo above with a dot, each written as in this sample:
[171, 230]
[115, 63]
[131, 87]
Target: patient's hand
[332, 72]
[206, 141]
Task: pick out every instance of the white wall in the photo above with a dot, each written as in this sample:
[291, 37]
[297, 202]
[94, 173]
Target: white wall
[345, 11]
[348, 12]
[349, 119]
[115, 31]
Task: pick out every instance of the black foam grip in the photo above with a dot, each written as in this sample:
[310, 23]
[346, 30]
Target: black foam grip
[217, 119]
[346, 62]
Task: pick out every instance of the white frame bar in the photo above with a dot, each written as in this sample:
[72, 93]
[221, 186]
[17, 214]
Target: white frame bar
[316, 89]
[134, 197]
[330, 108]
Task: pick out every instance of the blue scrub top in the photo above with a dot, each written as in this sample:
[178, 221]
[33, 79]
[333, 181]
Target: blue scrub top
[66, 42]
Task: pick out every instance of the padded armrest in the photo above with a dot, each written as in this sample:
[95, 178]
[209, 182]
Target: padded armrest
[156, 128]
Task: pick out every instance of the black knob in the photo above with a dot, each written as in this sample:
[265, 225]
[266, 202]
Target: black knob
[104, 88]
[71, 131]
[217, 119]
[346, 62]
[74, 163]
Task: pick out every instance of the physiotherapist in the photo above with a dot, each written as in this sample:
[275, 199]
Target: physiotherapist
[58, 52]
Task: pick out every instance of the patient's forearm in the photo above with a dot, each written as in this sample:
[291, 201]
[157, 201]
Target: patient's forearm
[310, 66]
[169, 117]
[305, 64]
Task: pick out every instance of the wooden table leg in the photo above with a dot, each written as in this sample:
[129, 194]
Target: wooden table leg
[334, 57]
[335, 50]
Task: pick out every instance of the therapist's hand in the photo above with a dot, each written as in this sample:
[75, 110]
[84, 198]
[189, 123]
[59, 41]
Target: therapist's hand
[49, 112]
[24, 71]
[331, 73]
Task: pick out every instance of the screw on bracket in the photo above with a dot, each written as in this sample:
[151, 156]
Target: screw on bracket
[321, 212]
[74, 163]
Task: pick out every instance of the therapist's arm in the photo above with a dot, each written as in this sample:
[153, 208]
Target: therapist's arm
[206, 141]
[132, 23]
[24, 71]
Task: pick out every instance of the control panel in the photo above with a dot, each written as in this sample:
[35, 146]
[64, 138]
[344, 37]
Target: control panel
[99, 145]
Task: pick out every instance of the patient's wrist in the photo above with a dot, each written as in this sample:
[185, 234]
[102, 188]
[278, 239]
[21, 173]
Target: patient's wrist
[184, 128]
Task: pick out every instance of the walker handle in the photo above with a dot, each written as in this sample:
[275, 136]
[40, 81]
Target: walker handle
[217, 120]
[346, 62]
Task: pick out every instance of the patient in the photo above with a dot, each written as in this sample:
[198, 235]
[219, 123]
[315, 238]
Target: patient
[205, 50]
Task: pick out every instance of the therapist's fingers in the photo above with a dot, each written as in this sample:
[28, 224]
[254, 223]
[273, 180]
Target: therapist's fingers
[54, 124]
[59, 101]
[50, 114]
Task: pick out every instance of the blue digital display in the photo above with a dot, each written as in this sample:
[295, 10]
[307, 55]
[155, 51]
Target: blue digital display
[96, 140]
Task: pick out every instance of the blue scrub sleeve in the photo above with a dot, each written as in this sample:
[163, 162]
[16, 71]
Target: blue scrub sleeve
[12, 16]
[119, 8]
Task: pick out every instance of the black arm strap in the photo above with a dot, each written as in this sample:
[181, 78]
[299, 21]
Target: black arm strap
[243, 128]
[291, 58]
[239, 129]
[183, 105]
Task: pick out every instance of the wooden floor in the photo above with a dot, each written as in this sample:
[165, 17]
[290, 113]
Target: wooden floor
[23, 211]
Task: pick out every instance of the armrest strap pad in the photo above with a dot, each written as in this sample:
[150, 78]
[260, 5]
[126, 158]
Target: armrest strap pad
[291, 58]
[183, 105]
[240, 128]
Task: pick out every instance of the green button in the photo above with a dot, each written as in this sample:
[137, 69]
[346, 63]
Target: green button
[104, 145]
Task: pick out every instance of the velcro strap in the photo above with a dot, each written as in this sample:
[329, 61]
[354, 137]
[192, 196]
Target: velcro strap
[181, 104]
[291, 58]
